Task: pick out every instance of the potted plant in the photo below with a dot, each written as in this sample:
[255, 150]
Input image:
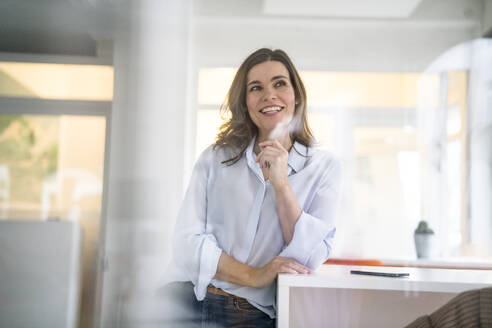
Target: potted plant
[424, 240]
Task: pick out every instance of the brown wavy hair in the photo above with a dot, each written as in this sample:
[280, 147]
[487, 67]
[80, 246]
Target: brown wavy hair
[238, 130]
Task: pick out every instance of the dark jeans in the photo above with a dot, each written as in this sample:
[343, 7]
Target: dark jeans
[183, 310]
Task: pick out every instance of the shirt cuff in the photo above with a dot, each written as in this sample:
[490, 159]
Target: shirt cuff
[309, 234]
[209, 260]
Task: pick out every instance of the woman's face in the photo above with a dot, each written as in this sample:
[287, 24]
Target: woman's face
[270, 98]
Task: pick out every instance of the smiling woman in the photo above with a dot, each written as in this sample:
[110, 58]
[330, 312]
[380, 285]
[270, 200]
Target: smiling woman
[261, 201]
[266, 79]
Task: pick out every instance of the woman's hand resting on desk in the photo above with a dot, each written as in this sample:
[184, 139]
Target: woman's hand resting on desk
[231, 270]
[274, 157]
[264, 276]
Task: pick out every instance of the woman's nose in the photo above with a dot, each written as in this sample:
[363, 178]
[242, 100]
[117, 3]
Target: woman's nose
[269, 94]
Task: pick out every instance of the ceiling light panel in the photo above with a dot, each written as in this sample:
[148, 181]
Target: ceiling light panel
[341, 9]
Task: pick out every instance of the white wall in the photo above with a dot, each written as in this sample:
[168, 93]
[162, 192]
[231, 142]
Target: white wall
[487, 16]
[330, 45]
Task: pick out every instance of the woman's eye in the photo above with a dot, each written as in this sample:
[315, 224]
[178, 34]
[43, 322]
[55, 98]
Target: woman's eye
[255, 88]
[280, 83]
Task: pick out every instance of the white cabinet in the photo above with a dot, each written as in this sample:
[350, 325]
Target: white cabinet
[40, 271]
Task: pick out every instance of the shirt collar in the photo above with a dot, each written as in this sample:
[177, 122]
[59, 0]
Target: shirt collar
[250, 156]
[297, 156]
[296, 161]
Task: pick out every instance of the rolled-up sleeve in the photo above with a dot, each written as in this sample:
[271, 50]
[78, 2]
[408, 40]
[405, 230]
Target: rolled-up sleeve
[315, 229]
[195, 250]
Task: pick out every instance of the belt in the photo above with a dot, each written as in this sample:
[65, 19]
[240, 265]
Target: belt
[217, 291]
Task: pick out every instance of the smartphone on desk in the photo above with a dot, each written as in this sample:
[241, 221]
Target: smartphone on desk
[380, 274]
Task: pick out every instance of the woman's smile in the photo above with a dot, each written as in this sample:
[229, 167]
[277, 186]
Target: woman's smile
[271, 110]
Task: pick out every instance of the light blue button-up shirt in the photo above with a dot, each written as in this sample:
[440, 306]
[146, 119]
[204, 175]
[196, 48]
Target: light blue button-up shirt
[232, 209]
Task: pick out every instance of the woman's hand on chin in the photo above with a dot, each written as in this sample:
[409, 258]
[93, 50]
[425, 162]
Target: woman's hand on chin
[262, 277]
[274, 157]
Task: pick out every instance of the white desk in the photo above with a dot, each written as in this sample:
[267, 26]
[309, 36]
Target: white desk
[468, 263]
[338, 277]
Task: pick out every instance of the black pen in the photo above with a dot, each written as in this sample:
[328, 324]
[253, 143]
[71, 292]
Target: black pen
[380, 274]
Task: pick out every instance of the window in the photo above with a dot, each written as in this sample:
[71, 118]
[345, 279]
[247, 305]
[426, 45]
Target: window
[53, 127]
[383, 127]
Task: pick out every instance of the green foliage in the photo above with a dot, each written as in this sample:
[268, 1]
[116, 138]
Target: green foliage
[28, 184]
[12, 150]
[5, 121]
[50, 160]
[17, 148]
[28, 163]
[27, 134]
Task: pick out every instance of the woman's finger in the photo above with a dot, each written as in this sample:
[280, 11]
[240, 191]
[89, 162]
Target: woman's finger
[272, 143]
[266, 161]
[279, 145]
[271, 152]
[260, 159]
[266, 143]
[287, 269]
[299, 267]
[268, 155]
[272, 158]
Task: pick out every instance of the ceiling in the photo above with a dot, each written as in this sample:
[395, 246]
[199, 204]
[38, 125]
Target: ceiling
[77, 27]
[61, 27]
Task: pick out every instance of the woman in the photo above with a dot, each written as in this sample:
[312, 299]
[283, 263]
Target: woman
[261, 201]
